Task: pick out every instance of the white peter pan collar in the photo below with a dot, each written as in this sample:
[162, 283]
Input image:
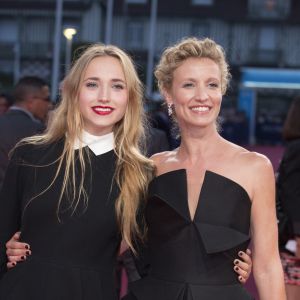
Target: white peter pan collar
[98, 144]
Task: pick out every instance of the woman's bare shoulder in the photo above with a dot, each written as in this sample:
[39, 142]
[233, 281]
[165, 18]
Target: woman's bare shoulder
[248, 158]
[253, 163]
[164, 161]
[249, 168]
[255, 160]
[163, 157]
[244, 162]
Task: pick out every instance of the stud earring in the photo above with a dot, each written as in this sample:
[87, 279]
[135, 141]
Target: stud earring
[170, 110]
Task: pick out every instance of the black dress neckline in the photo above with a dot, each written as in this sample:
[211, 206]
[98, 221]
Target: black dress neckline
[209, 176]
[192, 259]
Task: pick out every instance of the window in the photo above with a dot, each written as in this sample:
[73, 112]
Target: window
[8, 31]
[200, 30]
[202, 2]
[267, 51]
[136, 1]
[267, 38]
[135, 34]
[271, 9]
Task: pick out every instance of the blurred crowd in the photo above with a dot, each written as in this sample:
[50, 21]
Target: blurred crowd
[23, 114]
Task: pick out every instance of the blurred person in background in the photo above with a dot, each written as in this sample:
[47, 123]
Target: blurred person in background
[25, 117]
[288, 194]
[156, 138]
[156, 142]
[5, 103]
[159, 119]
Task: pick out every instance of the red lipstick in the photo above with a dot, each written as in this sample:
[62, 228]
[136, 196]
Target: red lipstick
[102, 110]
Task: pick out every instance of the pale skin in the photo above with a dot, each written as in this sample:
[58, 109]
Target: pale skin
[17, 251]
[196, 98]
[103, 96]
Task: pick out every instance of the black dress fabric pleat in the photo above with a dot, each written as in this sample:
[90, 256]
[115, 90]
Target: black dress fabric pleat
[193, 259]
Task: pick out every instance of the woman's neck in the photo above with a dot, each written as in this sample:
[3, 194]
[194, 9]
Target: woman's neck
[198, 144]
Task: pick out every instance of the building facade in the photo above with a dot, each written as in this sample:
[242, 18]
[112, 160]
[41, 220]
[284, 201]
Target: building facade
[254, 33]
[27, 34]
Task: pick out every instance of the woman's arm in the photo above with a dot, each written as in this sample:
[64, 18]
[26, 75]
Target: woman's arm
[267, 268]
[17, 251]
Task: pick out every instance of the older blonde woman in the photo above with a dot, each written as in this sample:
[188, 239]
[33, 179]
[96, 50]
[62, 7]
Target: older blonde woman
[208, 194]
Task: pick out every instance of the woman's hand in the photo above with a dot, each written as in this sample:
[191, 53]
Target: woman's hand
[243, 266]
[16, 251]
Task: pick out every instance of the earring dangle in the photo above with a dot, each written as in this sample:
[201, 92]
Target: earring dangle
[170, 110]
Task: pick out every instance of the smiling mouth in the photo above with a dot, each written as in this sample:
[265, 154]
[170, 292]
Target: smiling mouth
[200, 108]
[102, 110]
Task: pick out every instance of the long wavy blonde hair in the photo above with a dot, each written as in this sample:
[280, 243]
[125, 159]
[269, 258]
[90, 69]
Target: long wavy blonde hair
[133, 170]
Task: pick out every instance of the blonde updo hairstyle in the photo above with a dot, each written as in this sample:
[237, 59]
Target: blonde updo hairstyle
[174, 56]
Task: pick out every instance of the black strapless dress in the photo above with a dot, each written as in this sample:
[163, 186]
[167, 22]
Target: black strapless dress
[193, 259]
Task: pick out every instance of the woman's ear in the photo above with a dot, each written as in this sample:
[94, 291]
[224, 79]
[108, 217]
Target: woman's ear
[167, 96]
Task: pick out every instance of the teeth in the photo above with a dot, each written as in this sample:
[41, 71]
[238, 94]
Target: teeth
[200, 108]
[102, 109]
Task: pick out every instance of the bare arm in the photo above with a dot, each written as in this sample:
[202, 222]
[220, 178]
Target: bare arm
[267, 268]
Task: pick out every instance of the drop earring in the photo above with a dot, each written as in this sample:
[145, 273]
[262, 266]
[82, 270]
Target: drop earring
[170, 110]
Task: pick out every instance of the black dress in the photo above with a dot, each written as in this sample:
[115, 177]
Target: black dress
[287, 185]
[193, 259]
[73, 256]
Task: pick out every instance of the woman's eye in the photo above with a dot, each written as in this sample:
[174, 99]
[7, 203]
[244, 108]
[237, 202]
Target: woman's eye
[188, 85]
[118, 86]
[214, 85]
[91, 84]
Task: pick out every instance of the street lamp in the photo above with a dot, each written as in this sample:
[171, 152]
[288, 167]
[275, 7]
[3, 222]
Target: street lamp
[69, 33]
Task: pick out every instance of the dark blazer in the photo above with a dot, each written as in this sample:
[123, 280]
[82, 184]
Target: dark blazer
[288, 183]
[14, 126]
[157, 141]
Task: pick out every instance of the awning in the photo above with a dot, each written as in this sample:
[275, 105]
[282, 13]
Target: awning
[270, 78]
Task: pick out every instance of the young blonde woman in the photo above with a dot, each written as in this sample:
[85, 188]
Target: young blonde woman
[75, 190]
[211, 192]
[80, 186]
